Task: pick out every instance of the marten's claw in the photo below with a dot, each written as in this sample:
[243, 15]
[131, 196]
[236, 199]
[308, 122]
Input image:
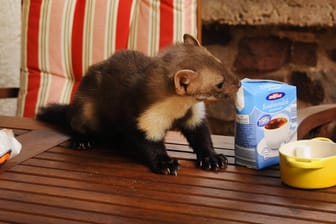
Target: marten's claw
[81, 145]
[167, 167]
[214, 162]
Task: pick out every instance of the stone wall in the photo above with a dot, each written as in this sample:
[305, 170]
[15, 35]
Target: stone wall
[300, 13]
[300, 54]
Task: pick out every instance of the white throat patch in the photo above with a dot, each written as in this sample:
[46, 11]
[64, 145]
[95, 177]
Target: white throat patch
[159, 117]
[198, 114]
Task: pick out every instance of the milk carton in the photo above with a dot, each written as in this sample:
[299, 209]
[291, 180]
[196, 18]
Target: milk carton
[265, 119]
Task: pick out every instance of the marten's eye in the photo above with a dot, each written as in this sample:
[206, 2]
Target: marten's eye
[220, 85]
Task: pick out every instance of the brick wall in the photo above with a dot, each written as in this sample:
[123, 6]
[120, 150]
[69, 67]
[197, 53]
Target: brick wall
[304, 57]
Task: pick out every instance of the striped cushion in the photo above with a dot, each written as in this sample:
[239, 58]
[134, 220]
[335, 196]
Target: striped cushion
[61, 38]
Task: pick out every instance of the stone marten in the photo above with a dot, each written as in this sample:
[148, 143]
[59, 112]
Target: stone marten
[136, 99]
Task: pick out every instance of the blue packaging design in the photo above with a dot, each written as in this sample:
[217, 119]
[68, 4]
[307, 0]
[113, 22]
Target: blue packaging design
[266, 117]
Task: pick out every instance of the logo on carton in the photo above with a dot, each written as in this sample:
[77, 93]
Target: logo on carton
[275, 96]
[264, 120]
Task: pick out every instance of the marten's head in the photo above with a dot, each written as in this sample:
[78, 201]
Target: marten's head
[196, 72]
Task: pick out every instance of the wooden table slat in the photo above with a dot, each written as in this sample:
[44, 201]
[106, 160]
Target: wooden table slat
[103, 209]
[21, 123]
[124, 198]
[57, 177]
[228, 192]
[224, 181]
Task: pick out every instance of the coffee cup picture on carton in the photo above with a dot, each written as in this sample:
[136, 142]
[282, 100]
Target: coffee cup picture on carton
[277, 131]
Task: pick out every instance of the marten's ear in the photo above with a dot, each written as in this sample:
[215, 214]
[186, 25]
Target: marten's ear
[188, 39]
[183, 79]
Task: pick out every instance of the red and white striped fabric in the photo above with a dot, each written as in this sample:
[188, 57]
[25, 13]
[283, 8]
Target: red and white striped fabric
[61, 38]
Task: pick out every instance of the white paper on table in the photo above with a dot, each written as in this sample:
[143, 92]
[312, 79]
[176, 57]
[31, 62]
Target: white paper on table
[8, 143]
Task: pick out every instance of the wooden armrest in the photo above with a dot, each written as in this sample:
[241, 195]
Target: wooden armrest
[315, 116]
[10, 92]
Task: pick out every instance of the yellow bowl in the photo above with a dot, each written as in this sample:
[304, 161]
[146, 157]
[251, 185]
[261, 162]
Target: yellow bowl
[308, 164]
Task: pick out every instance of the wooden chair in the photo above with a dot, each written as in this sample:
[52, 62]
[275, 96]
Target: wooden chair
[314, 119]
[310, 119]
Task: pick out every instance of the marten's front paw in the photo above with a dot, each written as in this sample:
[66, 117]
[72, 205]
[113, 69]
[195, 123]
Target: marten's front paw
[166, 166]
[213, 162]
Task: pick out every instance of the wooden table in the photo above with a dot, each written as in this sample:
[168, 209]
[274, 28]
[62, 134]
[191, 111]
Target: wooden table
[50, 183]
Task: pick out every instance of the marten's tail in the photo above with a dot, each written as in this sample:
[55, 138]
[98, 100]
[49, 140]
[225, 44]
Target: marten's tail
[55, 114]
